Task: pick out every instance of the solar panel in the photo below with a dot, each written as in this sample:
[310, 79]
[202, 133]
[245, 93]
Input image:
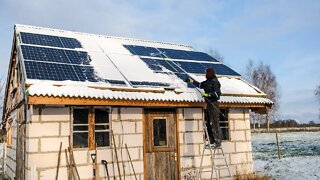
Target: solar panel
[116, 82]
[50, 71]
[184, 76]
[49, 40]
[199, 68]
[143, 50]
[145, 83]
[158, 65]
[191, 67]
[221, 69]
[55, 55]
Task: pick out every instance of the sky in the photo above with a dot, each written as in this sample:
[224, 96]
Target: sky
[284, 34]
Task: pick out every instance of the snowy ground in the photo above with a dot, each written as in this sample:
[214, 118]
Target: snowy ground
[300, 155]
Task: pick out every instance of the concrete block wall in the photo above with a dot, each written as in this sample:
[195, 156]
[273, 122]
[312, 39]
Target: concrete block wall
[127, 129]
[10, 166]
[238, 150]
[51, 125]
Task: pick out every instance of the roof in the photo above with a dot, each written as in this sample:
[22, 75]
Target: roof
[62, 63]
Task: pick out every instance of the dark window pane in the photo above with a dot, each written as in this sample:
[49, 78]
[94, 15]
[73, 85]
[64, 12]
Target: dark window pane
[80, 128]
[101, 116]
[102, 138]
[159, 132]
[80, 116]
[225, 133]
[224, 124]
[101, 127]
[80, 140]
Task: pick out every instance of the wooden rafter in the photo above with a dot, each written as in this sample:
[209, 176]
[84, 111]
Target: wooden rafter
[122, 102]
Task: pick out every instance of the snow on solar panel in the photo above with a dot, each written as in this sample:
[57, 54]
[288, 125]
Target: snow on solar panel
[169, 53]
[145, 83]
[48, 40]
[143, 50]
[55, 55]
[158, 65]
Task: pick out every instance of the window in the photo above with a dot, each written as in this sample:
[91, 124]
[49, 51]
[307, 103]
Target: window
[101, 127]
[80, 128]
[159, 132]
[224, 123]
[91, 126]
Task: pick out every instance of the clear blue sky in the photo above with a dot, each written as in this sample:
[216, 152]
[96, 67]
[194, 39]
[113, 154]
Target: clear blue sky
[282, 33]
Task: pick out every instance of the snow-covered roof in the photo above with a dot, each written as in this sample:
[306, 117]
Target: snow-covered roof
[110, 60]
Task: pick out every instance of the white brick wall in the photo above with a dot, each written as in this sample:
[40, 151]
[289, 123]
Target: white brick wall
[43, 129]
[51, 173]
[53, 144]
[192, 113]
[239, 124]
[193, 137]
[32, 145]
[131, 113]
[189, 126]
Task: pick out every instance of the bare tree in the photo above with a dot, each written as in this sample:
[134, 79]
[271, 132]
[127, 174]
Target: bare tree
[215, 54]
[263, 78]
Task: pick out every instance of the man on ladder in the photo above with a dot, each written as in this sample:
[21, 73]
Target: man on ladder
[211, 125]
[211, 87]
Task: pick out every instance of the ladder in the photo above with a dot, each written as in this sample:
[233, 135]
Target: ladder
[216, 153]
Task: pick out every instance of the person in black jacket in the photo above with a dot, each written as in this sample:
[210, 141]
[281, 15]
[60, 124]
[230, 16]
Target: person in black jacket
[211, 87]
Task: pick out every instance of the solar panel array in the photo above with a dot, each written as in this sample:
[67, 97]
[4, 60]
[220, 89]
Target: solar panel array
[49, 40]
[55, 62]
[48, 57]
[180, 62]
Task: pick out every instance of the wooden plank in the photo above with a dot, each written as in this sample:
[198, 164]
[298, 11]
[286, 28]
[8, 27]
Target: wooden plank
[58, 166]
[91, 129]
[118, 102]
[178, 142]
[108, 102]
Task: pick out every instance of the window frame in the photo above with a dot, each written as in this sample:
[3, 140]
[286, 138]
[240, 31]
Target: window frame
[227, 115]
[151, 147]
[91, 126]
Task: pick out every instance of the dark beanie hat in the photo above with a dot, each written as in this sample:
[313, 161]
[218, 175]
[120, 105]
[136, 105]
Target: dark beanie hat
[210, 73]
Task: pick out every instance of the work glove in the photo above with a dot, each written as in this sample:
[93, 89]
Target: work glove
[205, 95]
[189, 80]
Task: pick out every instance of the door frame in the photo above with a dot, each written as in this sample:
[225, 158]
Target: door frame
[175, 112]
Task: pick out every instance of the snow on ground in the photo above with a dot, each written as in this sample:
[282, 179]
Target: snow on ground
[300, 152]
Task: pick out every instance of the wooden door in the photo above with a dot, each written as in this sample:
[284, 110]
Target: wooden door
[161, 159]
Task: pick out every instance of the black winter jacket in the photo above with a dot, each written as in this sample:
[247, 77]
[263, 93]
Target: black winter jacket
[211, 87]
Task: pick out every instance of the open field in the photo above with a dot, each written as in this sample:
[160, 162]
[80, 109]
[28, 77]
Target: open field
[300, 152]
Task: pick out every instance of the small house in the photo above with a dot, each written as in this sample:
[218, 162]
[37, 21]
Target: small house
[120, 100]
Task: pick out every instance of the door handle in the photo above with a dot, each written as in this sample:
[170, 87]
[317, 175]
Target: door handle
[174, 155]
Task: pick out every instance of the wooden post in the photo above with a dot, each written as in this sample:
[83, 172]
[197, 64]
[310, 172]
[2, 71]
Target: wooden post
[134, 172]
[58, 166]
[278, 144]
[115, 151]
[268, 122]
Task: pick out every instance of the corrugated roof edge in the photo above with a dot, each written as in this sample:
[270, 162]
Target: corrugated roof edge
[97, 35]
